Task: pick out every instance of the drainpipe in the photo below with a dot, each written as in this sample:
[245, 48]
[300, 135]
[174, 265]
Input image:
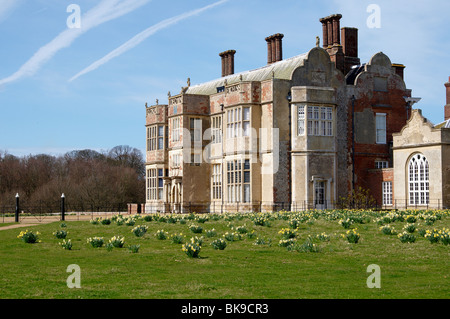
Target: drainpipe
[353, 142]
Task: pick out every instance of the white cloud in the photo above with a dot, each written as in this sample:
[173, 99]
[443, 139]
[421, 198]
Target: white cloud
[105, 11]
[6, 7]
[137, 39]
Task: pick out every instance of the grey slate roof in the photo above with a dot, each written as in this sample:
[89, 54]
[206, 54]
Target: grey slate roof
[279, 70]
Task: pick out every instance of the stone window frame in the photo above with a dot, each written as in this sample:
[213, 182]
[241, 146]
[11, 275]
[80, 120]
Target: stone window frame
[176, 129]
[301, 117]
[155, 184]
[381, 130]
[152, 136]
[418, 180]
[161, 131]
[216, 181]
[195, 129]
[239, 180]
[216, 129]
[319, 120]
[238, 125]
[386, 190]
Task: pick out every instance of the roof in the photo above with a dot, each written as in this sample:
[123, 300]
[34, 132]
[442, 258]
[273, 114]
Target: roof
[445, 124]
[279, 70]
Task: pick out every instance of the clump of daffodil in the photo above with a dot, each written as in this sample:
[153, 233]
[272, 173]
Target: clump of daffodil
[192, 248]
[352, 236]
[288, 233]
[117, 241]
[29, 237]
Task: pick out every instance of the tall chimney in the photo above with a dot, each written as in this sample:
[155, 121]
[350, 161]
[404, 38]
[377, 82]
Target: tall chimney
[331, 27]
[349, 38]
[269, 50]
[227, 62]
[447, 106]
[274, 48]
[399, 69]
[332, 40]
[350, 41]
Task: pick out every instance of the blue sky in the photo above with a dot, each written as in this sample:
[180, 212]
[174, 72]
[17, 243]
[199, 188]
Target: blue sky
[64, 89]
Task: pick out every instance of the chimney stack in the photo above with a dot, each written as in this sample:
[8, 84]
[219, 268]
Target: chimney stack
[399, 70]
[447, 106]
[332, 40]
[350, 41]
[274, 48]
[331, 30]
[227, 62]
[349, 38]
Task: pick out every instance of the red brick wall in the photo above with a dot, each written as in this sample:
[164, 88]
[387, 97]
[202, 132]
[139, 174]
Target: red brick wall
[134, 209]
[376, 178]
[392, 103]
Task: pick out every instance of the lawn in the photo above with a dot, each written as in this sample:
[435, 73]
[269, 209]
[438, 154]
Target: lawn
[332, 268]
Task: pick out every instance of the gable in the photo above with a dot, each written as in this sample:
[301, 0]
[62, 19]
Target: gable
[418, 131]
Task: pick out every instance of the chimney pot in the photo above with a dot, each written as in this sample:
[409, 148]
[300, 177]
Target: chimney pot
[274, 48]
[331, 29]
[227, 62]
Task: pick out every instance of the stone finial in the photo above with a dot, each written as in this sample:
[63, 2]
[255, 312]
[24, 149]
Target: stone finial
[185, 88]
[168, 94]
[157, 102]
[317, 41]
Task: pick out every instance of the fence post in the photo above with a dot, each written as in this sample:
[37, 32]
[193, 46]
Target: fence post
[63, 207]
[16, 215]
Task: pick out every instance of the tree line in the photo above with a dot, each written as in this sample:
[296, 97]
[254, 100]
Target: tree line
[86, 177]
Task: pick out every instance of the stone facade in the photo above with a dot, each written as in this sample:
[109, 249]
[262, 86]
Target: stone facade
[421, 166]
[297, 133]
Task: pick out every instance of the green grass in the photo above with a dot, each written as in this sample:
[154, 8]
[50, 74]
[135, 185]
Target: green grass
[243, 270]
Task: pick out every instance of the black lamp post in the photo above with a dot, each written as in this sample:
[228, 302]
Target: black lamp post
[63, 217]
[16, 219]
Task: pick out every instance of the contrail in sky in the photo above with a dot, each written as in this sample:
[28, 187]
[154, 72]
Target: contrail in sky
[105, 11]
[137, 39]
[7, 7]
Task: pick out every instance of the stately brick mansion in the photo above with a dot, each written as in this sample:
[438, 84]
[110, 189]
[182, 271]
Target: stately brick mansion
[297, 133]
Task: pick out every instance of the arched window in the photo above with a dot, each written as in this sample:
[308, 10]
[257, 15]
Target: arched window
[418, 182]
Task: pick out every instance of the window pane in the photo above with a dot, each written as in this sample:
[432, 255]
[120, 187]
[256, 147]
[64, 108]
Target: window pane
[246, 177]
[381, 128]
[246, 193]
[246, 115]
[247, 164]
[316, 112]
[246, 126]
[329, 113]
